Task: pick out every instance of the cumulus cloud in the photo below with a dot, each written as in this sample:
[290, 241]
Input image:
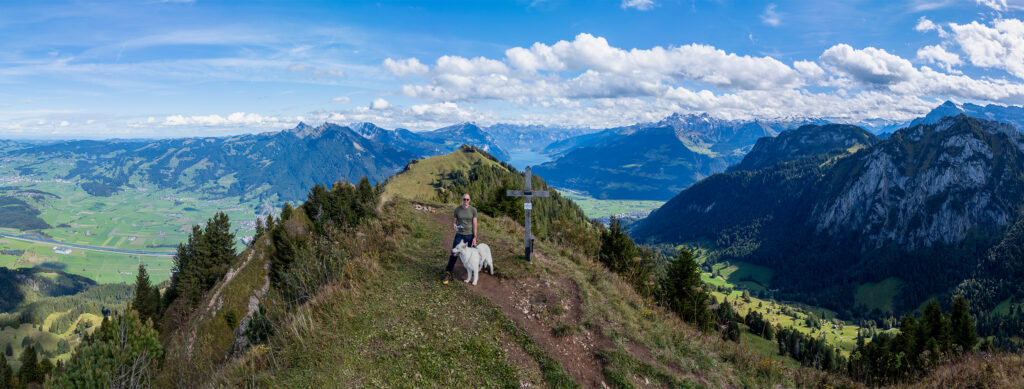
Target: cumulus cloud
[869, 65]
[643, 5]
[999, 46]
[341, 100]
[588, 66]
[379, 104]
[770, 16]
[405, 66]
[937, 55]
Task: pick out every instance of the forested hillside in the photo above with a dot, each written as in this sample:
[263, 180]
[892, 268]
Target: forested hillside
[920, 208]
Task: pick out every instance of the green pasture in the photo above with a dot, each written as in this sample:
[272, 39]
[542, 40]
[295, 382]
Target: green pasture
[144, 218]
[102, 267]
[744, 274]
[878, 295]
[844, 336]
[595, 208]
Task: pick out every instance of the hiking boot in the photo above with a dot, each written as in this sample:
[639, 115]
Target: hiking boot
[447, 277]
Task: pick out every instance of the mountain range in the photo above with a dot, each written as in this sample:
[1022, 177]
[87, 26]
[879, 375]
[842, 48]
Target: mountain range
[921, 206]
[654, 161]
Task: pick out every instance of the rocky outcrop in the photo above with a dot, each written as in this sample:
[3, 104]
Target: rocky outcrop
[927, 185]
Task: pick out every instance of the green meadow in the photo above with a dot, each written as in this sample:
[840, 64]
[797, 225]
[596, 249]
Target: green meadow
[878, 295]
[595, 208]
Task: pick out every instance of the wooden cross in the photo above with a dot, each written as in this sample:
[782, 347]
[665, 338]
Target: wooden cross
[527, 195]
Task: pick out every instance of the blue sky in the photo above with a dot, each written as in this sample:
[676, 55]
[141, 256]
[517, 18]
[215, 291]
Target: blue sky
[189, 68]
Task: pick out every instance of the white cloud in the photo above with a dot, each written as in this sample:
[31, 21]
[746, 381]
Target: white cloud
[809, 69]
[589, 66]
[64, 123]
[999, 46]
[405, 66]
[379, 104]
[341, 100]
[938, 55]
[925, 25]
[998, 5]
[233, 120]
[643, 5]
[770, 16]
[870, 65]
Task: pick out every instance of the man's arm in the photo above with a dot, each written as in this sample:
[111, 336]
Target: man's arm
[455, 223]
[474, 231]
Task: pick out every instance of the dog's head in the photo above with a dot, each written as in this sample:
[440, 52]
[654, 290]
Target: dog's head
[459, 248]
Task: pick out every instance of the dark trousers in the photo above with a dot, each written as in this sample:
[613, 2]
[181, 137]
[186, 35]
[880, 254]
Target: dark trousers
[458, 238]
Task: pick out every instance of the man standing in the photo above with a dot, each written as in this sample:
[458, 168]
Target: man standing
[464, 217]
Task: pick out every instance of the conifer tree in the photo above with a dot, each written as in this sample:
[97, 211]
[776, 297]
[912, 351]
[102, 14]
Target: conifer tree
[147, 298]
[961, 326]
[683, 292]
[934, 326]
[123, 352]
[30, 371]
[9, 350]
[286, 212]
[6, 374]
[617, 249]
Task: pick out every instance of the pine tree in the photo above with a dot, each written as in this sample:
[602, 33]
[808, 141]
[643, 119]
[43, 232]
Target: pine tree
[147, 298]
[123, 352]
[6, 374]
[934, 326]
[30, 371]
[683, 292]
[617, 249]
[961, 326]
[286, 212]
[9, 350]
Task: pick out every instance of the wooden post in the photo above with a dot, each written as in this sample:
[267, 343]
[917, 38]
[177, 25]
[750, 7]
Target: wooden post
[527, 196]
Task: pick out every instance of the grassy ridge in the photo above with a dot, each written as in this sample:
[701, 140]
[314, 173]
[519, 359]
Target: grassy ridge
[397, 313]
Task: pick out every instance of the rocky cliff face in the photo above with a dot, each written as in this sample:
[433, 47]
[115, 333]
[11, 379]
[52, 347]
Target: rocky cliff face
[927, 185]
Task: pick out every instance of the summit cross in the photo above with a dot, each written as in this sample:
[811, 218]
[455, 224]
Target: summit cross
[527, 196]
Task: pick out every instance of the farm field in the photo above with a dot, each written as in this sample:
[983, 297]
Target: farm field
[144, 218]
[595, 208]
[782, 314]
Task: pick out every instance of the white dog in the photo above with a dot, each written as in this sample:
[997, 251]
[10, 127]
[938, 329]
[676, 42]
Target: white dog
[474, 259]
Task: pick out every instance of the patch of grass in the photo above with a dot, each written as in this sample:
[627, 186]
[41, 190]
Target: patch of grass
[417, 183]
[595, 208]
[878, 295]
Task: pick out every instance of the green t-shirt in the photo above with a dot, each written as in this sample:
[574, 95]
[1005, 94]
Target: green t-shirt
[465, 218]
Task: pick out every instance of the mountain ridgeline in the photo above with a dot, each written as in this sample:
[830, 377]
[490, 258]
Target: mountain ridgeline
[805, 141]
[921, 206]
[271, 167]
[654, 161]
